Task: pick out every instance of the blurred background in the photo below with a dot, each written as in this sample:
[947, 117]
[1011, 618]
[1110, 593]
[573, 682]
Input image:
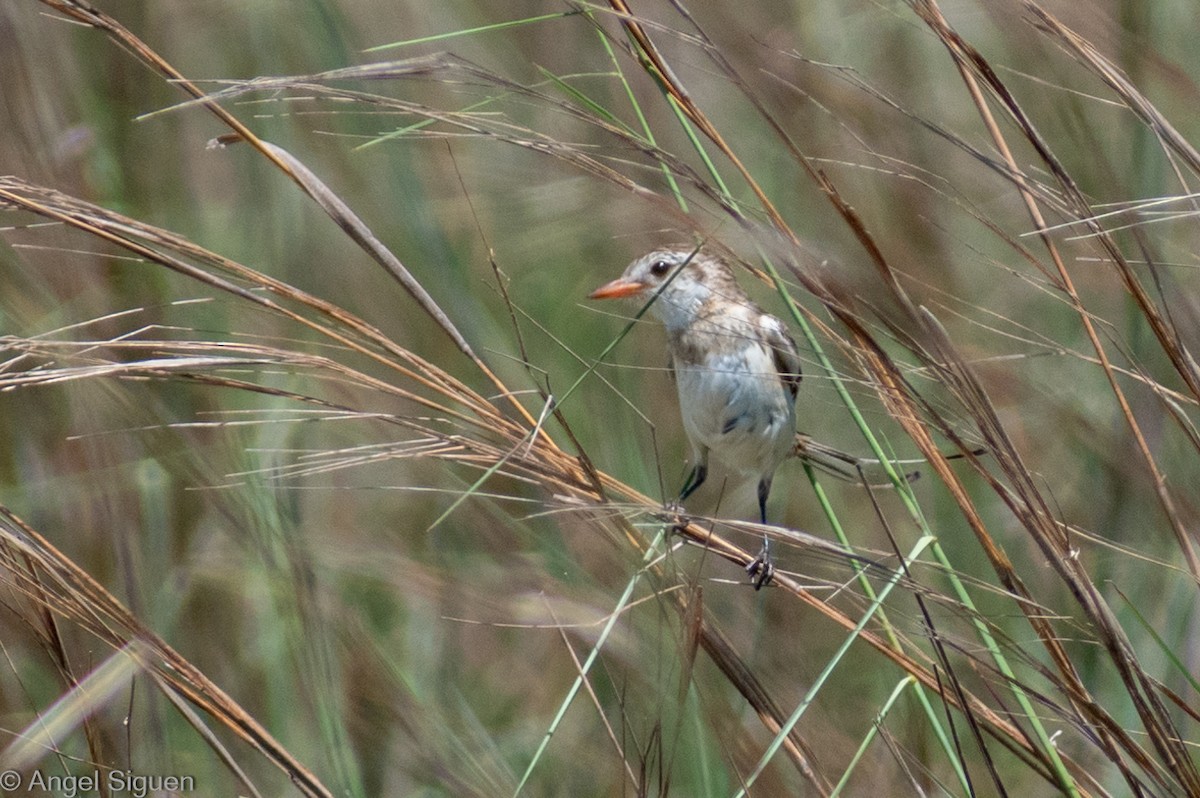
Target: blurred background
[400, 640]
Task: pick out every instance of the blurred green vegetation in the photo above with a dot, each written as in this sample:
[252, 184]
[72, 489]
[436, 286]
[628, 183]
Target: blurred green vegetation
[398, 657]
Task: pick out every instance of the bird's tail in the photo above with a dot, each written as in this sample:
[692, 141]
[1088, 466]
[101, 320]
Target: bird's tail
[866, 470]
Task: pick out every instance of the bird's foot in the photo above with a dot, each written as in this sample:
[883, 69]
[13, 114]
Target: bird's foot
[761, 569]
[676, 516]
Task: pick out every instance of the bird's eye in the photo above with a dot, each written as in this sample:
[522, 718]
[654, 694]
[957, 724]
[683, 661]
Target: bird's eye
[659, 268]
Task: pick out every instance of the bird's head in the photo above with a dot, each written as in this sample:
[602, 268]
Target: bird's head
[683, 278]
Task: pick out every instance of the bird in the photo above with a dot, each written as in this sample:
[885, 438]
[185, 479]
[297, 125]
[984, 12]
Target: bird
[736, 369]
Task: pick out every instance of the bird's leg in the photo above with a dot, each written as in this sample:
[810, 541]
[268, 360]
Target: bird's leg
[697, 477]
[761, 569]
[694, 480]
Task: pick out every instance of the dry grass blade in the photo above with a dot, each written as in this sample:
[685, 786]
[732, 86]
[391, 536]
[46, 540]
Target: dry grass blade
[973, 68]
[142, 240]
[1169, 339]
[724, 655]
[393, 555]
[548, 467]
[360, 234]
[58, 584]
[1032, 509]
[90, 15]
[290, 166]
[544, 463]
[656, 65]
[1028, 503]
[1157, 721]
[449, 68]
[1127, 91]
[895, 391]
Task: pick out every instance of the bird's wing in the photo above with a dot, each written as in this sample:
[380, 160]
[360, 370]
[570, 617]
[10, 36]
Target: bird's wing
[783, 350]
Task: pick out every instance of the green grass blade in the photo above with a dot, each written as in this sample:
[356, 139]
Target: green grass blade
[904, 684]
[577, 685]
[441, 37]
[811, 695]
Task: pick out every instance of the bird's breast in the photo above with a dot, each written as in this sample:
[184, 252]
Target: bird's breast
[734, 403]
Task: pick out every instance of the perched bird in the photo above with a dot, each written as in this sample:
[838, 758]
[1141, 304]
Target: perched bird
[735, 366]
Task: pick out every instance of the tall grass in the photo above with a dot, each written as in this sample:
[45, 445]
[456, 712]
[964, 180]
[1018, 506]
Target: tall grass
[320, 475]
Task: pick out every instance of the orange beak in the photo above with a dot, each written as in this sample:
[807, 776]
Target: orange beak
[618, 288]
